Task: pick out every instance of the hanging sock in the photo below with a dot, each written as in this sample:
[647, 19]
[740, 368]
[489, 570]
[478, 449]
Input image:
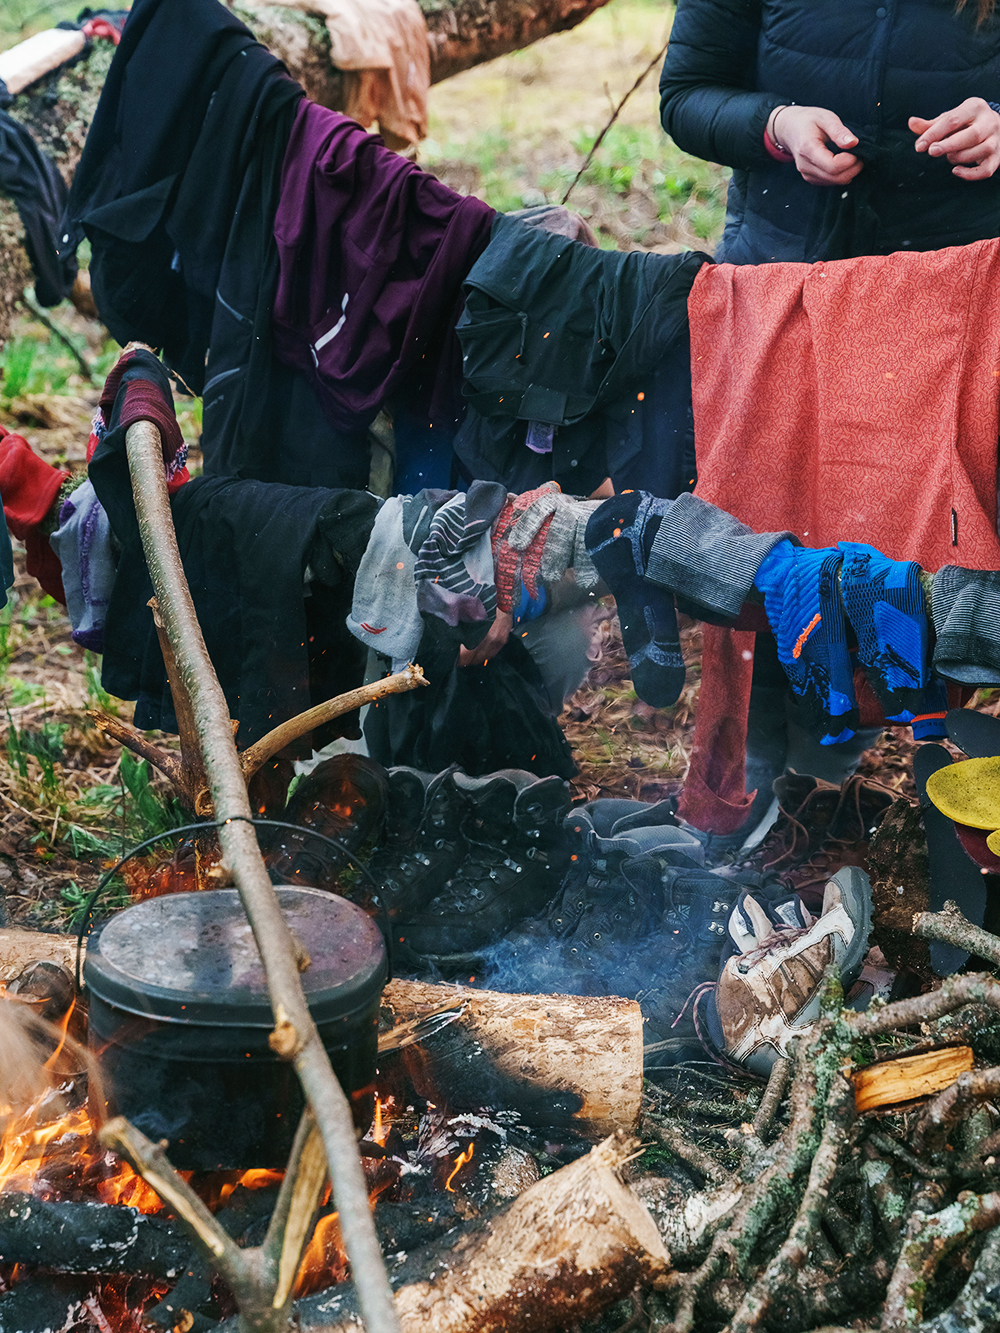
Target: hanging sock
[619, 535]
[806, 615]
[885, 605]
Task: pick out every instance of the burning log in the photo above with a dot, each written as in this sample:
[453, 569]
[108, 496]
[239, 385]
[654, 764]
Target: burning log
[564, 1250]
[562, 1060]
[91, 1238]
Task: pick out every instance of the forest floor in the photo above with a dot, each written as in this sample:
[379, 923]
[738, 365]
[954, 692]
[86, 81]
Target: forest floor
[516, 133]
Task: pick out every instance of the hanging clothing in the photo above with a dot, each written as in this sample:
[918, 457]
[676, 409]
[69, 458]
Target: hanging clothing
[278, 643]
[30, 487]
[561, 335]
[32, 180]
[82, 541]
[484, 718]
[187, 97]
[372, 255]
[873, 383]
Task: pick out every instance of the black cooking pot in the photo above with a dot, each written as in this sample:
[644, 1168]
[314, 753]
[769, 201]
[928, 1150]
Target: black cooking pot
[180, 1016]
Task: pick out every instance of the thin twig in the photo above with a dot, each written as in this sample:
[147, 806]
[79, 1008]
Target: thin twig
[614, 116]
[887, 1145]
[951, 927]
[674, 1138]
[757, 1302]
[777, 1084]
[61, 334]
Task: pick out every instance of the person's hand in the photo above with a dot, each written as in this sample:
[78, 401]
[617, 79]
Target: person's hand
[490, 644]
[805, 132]
[968, 136]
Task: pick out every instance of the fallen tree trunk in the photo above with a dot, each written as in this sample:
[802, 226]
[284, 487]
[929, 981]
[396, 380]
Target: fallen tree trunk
[58, 108]
[561, 1060]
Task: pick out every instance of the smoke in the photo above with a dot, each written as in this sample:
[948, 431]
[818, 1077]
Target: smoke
[23, 1077]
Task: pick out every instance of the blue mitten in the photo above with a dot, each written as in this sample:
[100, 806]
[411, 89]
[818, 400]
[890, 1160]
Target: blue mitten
[806, 615]
[885, 605]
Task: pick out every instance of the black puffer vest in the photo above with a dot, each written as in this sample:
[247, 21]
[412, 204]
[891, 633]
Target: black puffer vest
[874, 64]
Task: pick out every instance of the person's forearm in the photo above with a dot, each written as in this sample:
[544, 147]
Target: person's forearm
[718, 124]
[708, 104]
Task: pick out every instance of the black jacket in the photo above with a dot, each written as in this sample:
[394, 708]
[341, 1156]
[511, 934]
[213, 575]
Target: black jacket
[557, 332]
[187, 99]
[731, 61]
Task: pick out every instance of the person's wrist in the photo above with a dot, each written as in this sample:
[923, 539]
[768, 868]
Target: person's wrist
[772, 142]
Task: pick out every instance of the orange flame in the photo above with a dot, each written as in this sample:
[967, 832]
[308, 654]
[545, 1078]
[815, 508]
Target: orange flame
[325, 1260]
[50, 1063]
[461, 1160]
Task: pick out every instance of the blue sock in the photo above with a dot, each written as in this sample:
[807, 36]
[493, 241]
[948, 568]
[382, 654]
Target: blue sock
[929, 718]
[806, 615]
[885, 605]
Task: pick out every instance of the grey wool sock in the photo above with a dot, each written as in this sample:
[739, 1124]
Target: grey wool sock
[707, 556]
[965, 608]
[384, 613]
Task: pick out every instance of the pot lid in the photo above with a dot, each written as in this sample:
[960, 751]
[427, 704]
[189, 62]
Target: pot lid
[192, 958]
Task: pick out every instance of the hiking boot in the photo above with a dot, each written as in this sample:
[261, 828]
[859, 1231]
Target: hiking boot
[423, 846]
[806, 810]
[646, 924]
[771, 993]
[344, 798]
[516, 856]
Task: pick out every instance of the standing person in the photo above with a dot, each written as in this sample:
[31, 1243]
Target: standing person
[852, 128]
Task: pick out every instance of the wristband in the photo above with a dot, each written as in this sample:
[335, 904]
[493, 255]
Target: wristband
[779, 154]
[777, 150]
[994, 106]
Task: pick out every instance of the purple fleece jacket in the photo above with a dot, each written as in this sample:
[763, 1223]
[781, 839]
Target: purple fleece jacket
[372, 252]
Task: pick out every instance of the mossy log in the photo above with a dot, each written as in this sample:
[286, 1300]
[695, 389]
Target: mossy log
[58, 108]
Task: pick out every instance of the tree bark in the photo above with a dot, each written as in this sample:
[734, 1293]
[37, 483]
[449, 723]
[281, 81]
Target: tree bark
[58, 108]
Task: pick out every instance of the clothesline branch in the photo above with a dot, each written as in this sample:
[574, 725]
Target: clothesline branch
[656, 60]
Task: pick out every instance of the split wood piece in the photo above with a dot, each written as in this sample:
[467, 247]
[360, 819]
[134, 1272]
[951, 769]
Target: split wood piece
[904, 1079]
[564, 1250]
[186, 771]
[18, 948]
[295, 1037]
[560, 1060]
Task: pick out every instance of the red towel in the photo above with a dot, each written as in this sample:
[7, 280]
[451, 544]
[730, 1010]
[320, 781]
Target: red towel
[854, 400]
